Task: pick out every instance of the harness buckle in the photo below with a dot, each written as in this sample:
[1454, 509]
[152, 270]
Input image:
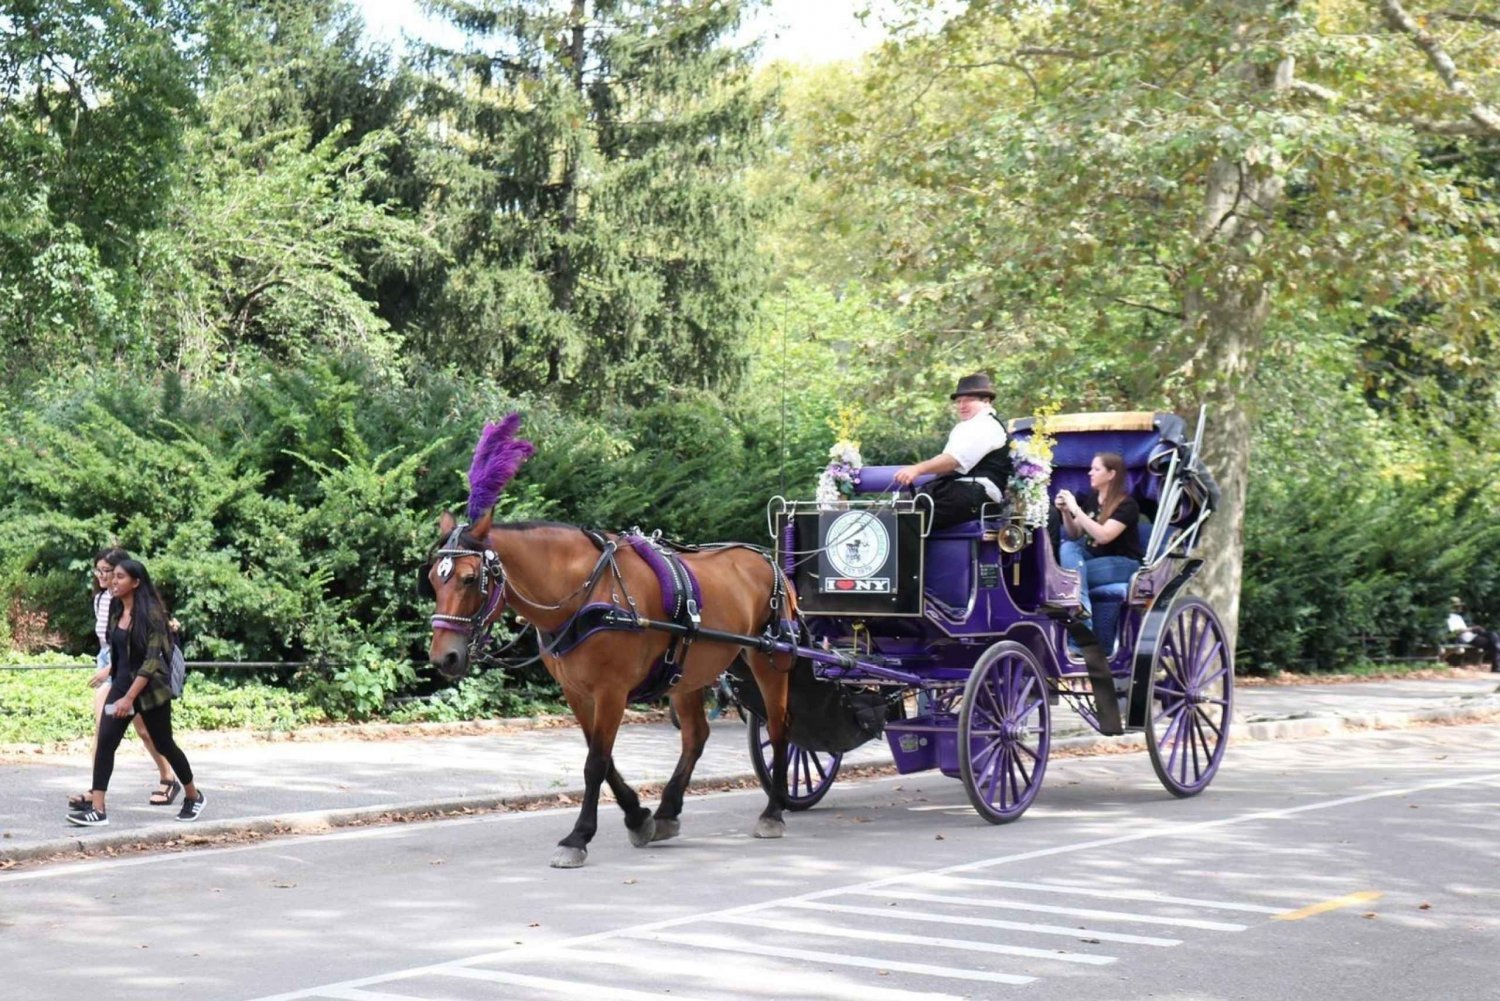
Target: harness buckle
[694, 619]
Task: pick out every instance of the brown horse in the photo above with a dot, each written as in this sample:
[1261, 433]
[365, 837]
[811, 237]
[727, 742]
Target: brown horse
[546, 574]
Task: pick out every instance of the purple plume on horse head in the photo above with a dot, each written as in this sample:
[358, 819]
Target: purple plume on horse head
[497, 457]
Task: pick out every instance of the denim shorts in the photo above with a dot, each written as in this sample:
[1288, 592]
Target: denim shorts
[102, 661]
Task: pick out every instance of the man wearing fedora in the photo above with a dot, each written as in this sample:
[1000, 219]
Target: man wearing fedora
[974, 466]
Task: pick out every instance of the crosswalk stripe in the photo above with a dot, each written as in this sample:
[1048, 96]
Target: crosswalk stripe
[710, 943]
[1146, 896]
[671, 960]
[356, 994]
[1079, 934]
[1077, 912]
[553, 984]
[900, 938]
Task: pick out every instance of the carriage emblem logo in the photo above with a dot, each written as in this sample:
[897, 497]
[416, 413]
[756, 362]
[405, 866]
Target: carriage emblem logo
[858, 546]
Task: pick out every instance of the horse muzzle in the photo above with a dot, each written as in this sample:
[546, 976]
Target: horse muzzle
[449, 655]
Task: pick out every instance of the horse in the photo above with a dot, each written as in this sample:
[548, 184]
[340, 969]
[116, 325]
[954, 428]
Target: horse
[588, 595]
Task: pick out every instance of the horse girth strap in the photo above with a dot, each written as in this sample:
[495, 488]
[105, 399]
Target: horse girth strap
[681, 596]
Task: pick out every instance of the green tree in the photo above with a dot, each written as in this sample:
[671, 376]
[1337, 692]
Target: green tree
[590, 190]
[1153, 200]
[94, 95]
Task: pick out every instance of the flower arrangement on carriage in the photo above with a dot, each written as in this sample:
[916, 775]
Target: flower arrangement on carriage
[840, 477]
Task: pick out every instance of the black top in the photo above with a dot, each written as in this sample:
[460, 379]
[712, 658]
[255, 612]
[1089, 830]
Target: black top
[122, 665]
[1128, 513]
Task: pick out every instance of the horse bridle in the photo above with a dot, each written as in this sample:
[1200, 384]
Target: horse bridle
[491, 571]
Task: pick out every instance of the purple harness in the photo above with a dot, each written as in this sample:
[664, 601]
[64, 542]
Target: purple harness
[681, 597]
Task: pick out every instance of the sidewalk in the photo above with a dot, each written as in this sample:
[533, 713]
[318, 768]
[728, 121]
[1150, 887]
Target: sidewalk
[304, 785]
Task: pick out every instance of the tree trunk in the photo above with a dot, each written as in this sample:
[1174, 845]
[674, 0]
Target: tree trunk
[1225, 316]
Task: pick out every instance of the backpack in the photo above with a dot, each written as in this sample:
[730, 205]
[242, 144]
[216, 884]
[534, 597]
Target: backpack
[176, 671]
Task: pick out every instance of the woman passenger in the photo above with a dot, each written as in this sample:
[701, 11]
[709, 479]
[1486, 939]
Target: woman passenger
[1100, 537]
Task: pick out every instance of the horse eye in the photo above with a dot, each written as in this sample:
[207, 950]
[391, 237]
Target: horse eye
[469, 579]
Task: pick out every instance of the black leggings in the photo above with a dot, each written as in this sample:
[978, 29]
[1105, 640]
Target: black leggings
[158, 724]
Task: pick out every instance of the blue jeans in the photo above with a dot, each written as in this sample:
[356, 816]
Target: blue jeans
[1094, 571]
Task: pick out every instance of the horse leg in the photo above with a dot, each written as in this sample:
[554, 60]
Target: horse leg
[573, 850]
[773, 687]
[689, 706]
[638, 819]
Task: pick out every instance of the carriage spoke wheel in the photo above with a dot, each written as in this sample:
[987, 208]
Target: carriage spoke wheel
[1192, 695]
[809, 774]
[1004, 732]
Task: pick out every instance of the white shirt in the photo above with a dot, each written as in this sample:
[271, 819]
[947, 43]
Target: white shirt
[972, 440]
[1456, 624]
[101, 618]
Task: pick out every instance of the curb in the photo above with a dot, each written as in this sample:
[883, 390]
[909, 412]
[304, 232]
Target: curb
[322, 821]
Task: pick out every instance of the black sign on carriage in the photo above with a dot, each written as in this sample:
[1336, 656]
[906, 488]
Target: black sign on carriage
[858, 554]
[868, 561]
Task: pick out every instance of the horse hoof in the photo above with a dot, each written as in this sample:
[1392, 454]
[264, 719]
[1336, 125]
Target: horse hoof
[666, 829]
[567, 857]
[765, 827]
[645, 834]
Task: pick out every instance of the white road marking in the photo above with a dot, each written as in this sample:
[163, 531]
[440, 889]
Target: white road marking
[1072, 912]
[1078, 934]
[930, 941]
[355, 994]
[674, 961]
[715, 943]
[1156, 832]
[1146, 896]
[555, 985]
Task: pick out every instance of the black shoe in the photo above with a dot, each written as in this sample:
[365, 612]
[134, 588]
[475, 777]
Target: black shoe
[89, 817]
[191, 808]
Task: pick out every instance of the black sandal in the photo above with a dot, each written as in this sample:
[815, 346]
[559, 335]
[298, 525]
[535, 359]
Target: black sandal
[166, 794]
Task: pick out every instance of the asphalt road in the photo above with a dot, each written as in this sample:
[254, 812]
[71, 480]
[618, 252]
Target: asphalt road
[1365, 866]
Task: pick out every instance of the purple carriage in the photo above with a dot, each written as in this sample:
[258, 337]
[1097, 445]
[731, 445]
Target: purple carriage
[955, 644]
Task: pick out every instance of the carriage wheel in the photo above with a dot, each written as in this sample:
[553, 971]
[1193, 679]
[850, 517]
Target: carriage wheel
[809, 774]
[1004, 732]
[1192, 696]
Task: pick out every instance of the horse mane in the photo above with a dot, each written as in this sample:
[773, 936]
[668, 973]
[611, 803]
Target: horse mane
[497, 457]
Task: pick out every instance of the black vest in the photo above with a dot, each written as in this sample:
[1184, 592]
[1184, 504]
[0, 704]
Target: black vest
[997, 464]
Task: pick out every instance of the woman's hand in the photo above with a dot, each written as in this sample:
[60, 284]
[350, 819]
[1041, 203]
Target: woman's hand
[99, 678]
[124, 707]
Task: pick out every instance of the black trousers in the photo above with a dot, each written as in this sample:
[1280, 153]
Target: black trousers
[158, 724]
[953, 502]
[1487, 642]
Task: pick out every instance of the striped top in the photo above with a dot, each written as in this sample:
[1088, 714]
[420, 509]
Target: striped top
[101, 618]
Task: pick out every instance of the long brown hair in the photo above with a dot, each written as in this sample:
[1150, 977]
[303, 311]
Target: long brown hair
[1119, 486]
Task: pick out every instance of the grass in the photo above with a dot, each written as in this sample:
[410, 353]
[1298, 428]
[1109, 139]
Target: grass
[39, 707]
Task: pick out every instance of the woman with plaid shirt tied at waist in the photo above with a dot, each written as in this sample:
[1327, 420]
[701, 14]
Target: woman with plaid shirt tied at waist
[140, 646]
[105, 562]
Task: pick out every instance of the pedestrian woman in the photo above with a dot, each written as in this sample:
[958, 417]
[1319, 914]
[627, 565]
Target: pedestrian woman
[140, 647]
[105, 562]
[1101, 539]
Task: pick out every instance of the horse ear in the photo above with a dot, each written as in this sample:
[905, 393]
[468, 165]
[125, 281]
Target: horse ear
[447, 523]
[481, 528]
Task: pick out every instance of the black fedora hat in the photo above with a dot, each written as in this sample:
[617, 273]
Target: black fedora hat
[977, 384]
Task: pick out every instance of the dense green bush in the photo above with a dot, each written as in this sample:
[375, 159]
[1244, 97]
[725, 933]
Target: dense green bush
[38, 706]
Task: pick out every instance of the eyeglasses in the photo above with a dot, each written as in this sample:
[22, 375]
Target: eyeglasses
[101, 571]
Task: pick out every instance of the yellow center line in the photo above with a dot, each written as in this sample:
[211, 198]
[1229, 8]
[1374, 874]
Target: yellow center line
[1362, 897]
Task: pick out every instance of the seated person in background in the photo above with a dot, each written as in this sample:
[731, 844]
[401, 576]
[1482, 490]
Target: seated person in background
[1484, 640]
[974, 465]
[1100, 537]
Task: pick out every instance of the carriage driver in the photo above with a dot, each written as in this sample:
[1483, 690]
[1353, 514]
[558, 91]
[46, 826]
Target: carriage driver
[974, 466]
